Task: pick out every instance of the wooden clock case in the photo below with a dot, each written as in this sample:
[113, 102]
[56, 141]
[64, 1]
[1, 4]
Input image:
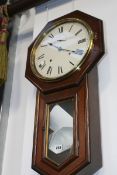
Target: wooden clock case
[83, 87]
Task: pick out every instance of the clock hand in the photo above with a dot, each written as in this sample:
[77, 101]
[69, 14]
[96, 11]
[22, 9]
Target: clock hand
[59, 48]
[77, 51]
[52, 43]
[65, 50]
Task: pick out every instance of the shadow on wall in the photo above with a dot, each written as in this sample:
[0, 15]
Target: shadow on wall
[1, 94]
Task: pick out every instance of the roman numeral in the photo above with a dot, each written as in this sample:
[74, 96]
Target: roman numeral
[71, 63]
[41, 56]
[70, 28]
[82, 41]
[60, 70]
[60, 29]
[51, 35]
[49, 71]
[78, 32]
[44, 45]
[42, 65]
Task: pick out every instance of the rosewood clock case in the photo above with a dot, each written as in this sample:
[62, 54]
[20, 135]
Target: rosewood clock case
[82, 87]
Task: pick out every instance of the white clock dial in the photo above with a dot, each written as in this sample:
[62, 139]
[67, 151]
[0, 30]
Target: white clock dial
[62, 49]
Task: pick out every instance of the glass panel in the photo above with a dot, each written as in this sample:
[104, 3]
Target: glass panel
[59, 131]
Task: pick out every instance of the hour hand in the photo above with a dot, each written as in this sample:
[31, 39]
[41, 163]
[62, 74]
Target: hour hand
[51, 44]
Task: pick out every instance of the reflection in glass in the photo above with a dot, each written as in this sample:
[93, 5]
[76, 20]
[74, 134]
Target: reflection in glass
[59, 131]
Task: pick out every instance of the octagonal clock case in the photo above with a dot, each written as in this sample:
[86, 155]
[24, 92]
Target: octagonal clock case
[61, 63]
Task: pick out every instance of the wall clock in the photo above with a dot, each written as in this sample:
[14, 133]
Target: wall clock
[61, 63]
[61, 49]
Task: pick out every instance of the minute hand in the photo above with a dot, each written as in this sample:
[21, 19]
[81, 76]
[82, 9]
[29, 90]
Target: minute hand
[77, 52]
[58, 47]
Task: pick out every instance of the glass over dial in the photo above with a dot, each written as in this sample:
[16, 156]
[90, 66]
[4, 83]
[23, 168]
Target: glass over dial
[61, 49]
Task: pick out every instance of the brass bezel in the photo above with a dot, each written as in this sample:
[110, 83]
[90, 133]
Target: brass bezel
[41, 37]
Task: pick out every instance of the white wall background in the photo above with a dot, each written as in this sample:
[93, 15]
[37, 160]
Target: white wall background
[18, 147]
